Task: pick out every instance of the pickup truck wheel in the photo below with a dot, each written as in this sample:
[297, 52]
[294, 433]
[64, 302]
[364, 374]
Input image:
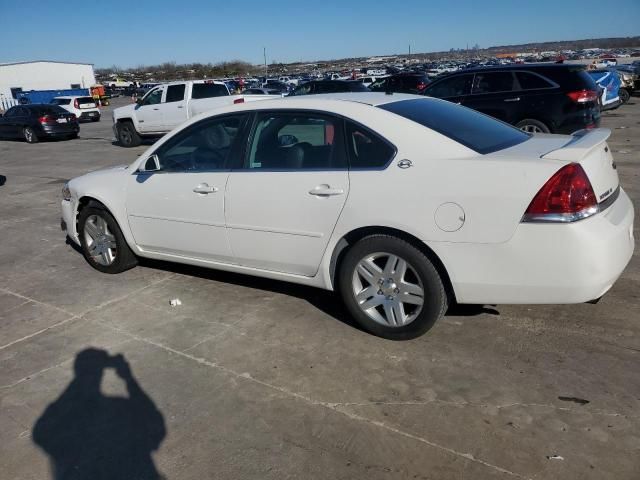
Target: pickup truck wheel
[127, 135]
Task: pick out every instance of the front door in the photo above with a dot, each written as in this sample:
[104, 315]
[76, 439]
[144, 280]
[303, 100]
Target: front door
[283, 203]
[179, 210]
[148, 112]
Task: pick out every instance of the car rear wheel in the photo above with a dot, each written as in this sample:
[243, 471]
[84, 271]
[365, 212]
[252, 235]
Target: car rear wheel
[530, 125]
[102, 241]
[127, 135]
[29, 135]
[391, 288]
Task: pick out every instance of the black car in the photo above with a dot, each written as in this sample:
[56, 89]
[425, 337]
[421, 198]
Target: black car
[329, 86]
[36, 121]
[401, 83]
[547, 98]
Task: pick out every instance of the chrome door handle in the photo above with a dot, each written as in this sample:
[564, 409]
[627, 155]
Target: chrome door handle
[205, 189]
[515, 99]
[325, 191]
[156, 109]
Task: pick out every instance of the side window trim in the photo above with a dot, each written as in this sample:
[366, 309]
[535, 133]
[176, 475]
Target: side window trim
[243, 166]
[236, 149]
[394, 149]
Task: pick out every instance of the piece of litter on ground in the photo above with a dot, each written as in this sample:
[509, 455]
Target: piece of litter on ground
[623, 151]
[620, 128]
[175, 302]
[554, 457]
[580, 401]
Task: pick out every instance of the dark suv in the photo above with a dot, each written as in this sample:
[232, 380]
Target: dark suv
[546, 98]
[329, 86]
[401, 83]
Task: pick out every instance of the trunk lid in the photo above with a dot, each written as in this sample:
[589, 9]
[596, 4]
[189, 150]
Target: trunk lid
[589, 149]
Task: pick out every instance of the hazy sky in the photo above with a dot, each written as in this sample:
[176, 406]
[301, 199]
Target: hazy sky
[148, 32]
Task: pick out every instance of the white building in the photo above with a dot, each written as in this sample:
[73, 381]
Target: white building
[44, 75]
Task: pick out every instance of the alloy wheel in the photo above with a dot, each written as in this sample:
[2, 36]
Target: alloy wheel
[388, 289]
[531, 128]
[100, 242]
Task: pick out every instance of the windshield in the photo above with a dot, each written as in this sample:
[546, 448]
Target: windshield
[474, 130]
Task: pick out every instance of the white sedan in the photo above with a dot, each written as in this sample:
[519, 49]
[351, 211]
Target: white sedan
[401, 203]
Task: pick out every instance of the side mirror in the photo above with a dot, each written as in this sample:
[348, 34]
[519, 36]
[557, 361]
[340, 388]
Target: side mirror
[151, 164]
[139, 101]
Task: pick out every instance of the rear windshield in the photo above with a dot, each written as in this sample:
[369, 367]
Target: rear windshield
[86, 100]
[474, 130]
[209, 90]
[46, 110]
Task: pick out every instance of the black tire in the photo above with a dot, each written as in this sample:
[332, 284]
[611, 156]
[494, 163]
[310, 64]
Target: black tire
[127, 135]
[30, 135]
[530, 125]
[124, 257]
[624, 95]
[95, 119]
[435, 296]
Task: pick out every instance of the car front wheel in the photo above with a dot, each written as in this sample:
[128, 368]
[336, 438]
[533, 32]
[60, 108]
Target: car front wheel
[127, 135]
[102, 241]
[391, 288]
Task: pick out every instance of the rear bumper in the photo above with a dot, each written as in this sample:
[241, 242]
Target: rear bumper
[546, 263]
[59, 130]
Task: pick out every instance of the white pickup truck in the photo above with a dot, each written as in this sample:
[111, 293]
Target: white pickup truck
[166, 106]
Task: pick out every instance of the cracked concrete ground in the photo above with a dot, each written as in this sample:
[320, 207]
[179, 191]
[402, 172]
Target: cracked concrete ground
[259, 379]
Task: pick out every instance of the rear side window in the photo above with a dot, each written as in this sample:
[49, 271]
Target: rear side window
[493, 82]
[569, 77]
[175, 93]
[531, 81]
[472, 129]
[208, 90]
[451, 87]
[367, 149]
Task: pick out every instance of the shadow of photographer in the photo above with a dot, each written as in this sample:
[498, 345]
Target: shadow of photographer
[88, 435]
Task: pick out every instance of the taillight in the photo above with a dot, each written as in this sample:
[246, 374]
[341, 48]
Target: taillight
[238, 100]
[583, 96]
[46, 119]
[566, 197]
[75, 103]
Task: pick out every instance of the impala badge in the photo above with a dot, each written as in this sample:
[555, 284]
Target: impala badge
[405, 163]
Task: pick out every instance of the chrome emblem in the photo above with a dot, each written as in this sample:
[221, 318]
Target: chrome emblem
[405, 163]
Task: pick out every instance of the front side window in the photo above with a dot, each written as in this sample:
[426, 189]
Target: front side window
[303, 89]
[175, 93]
[451, 87]
[205, 146]
[153, 98]
[367, 149]
[493, 82]
[296, 142]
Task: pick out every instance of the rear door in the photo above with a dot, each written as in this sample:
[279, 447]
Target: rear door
[173, 106]
[453, 89]
[283, 203]
[494, 94]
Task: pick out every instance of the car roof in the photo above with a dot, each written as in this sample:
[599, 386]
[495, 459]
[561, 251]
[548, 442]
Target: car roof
[373, 99]
[71, 97]
[517, 66]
